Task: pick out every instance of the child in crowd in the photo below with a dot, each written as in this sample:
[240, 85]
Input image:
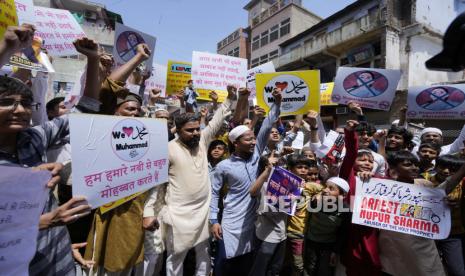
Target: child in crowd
[217, 151]
[313, 173]
[451, 249]
[427, 153]
[307, 151]
[298, 164]
[365, 133]
[398, 138]
[270, 224]
[403, 254]
[361, 246]
[326, 228]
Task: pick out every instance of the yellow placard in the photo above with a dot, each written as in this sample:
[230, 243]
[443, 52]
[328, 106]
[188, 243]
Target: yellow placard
[326, 89]
[178, 73]
[8, 16]
[300, 91]
[203, 95]
[107, 207]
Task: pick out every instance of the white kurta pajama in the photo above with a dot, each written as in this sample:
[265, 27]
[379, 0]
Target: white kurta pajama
[188, 193]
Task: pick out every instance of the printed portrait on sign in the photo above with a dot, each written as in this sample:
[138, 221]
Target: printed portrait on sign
[440, 98]
[126, 44]
[365, 84]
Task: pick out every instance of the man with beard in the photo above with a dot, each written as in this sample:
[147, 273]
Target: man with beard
[236, 231]
[185, 215]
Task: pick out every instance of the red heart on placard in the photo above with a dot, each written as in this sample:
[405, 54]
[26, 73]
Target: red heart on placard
[128, 131]
[281, 85]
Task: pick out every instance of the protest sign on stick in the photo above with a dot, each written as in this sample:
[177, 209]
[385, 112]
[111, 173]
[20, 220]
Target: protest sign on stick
[32, 57]
[402, 207]
[115, 157]
[177, 76]
[369, 87]
[23, 194]
[326, 90]
[126, 41]
[25, 11]
[283, 188]
[251, 75]
[157, 80]
[445, 102]
[213, 72]
[58, 30]
[8, 16]
[300, 91]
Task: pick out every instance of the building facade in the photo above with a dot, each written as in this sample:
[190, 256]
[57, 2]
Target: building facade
[391, 34]
[236, 44]
[273, 22]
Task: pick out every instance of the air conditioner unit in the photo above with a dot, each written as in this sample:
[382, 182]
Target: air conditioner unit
[92, 16]
[342, 110]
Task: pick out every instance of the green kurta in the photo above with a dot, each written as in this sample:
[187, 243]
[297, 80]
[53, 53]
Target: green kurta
[119, 237]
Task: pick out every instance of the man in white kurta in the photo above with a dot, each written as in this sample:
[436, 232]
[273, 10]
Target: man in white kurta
[186, 213]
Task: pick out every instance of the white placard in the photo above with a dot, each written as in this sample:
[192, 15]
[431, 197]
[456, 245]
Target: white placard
[23, 194]
[126, 41]
[114, 157]
[25, 11]
[436, 102]
[215, 72]
[58, 29]
[157, 80]
[370, 87]
[402, 207]
[264, 68]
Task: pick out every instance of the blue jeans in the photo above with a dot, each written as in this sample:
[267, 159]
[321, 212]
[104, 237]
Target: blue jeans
[452, 251]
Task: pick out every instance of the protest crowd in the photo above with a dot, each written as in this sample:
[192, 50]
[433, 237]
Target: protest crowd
[240, 198]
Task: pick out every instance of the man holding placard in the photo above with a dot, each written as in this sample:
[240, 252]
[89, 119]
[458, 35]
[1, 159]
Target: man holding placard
[236, 231]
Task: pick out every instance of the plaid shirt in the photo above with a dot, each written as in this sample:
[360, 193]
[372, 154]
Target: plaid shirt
[53, 255]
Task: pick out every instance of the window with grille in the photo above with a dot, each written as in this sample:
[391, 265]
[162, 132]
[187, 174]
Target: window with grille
[256, 42]
[285, 27]
[274, 33]
[264, 39]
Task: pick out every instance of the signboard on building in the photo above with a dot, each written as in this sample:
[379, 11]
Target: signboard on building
[436, 102]
[369, 87]
[300, 91]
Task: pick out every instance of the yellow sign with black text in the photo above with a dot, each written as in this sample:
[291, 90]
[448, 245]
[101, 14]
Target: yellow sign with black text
[326, 89]
[300, 91]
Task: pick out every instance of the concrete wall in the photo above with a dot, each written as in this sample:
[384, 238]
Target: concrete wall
[300, 21]
[438, 14]
[423, 48]
[257, 9]
[266, 25]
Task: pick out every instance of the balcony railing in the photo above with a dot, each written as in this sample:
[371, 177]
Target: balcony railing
[328, 40]
[273, 9]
